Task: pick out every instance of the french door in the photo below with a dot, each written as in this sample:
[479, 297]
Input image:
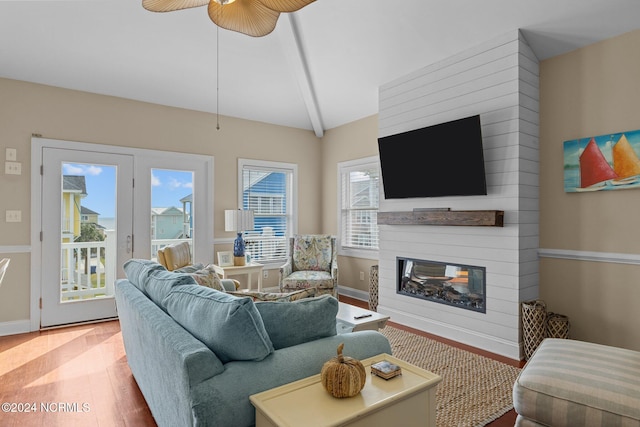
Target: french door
[81, 256]
[93, 218]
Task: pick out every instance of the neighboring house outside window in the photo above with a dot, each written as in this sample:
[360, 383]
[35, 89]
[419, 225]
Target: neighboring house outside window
[359, 190]
[270, 190]
[74, 189]
[167, 223]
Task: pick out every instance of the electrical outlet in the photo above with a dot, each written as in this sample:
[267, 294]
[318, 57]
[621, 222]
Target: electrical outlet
[13, 216]
[265, 274]
[12, 168]
[362, 275]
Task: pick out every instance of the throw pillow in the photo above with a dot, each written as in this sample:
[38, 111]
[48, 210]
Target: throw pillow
[208, 277]
[189, 268]
[297, 322]
[138, 271]
[230, 326]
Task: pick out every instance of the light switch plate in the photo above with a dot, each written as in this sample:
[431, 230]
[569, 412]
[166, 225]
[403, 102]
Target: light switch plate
[11, 154]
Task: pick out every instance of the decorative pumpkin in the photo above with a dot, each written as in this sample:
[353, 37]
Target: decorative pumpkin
[343, 376]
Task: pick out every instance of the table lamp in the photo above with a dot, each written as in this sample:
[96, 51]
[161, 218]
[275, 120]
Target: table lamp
[238, 221]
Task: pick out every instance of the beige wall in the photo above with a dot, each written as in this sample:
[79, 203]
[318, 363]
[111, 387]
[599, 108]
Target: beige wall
[56, 113]
[589, 92]
[352, 141]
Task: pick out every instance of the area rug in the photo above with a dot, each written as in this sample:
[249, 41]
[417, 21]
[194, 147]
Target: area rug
[474, 391]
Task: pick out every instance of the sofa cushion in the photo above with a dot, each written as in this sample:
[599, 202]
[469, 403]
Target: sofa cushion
[296, 322]
[569, 383]
[160, 283]
[312, 252]
[276, 296]
[230, 326]
[138, 271]
[306, 279]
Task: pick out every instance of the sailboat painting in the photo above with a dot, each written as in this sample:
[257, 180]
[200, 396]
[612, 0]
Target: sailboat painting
[605, 162]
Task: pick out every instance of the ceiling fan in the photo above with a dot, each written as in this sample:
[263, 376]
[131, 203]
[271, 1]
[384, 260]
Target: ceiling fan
[255, 18]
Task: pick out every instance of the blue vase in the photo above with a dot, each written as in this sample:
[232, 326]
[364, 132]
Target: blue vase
[238, 246]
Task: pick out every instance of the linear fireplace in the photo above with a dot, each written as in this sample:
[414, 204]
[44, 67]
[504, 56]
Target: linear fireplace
[458, 285]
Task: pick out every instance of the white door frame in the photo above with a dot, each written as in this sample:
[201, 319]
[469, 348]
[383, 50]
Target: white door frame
[203, 241]
[53, 310]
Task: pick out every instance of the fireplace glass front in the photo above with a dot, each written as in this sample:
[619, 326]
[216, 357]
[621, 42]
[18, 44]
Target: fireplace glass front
[458, 285]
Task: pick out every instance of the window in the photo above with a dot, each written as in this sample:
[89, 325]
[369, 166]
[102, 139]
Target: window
[269, 189]
[359, 184]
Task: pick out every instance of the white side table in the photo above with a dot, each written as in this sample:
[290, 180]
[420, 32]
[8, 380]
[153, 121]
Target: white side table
[236, 270]
[352, 319]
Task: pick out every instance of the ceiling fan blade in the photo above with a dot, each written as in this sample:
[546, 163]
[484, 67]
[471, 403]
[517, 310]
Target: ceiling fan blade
[286, 5]
[249, 17]
[171, 5]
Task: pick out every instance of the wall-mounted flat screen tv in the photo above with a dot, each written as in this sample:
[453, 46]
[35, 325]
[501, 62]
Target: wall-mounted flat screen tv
[442, 160]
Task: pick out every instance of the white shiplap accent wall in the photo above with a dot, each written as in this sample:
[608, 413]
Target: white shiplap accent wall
[498, 80]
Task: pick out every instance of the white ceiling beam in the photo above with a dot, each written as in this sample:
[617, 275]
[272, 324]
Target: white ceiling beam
[293, 47]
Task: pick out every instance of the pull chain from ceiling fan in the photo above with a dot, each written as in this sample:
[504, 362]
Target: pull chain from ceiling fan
[218, 76]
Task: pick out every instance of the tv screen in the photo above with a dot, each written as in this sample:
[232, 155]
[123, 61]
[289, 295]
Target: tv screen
[435, 161]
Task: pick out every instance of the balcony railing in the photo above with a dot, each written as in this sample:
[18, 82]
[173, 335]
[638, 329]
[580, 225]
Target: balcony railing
[88, 269]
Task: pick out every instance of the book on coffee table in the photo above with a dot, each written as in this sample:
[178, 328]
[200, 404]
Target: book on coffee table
[385, 369]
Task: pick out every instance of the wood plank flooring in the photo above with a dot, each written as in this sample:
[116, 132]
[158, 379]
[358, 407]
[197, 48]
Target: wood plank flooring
[78, 376]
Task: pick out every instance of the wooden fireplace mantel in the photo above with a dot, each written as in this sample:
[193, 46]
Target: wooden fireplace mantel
[443, 217]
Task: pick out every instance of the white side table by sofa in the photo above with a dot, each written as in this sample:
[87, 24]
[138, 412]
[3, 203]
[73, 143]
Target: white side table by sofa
[351, 319]
[236, 270]
[408, 400]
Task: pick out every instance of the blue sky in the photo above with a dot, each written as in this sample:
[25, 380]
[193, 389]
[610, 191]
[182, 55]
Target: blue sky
[168, 187]
[574, 148]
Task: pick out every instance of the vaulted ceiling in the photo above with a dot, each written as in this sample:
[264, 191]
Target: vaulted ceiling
[320, 68]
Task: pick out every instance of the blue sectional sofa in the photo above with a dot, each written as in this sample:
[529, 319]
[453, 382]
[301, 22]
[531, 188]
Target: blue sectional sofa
[198, 353]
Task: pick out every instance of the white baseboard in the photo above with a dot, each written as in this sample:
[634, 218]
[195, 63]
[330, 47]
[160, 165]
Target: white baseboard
[353, 293]
[482, 341]
[15, 327]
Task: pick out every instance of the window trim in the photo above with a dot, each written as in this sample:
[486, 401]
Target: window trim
[344, 167]
[293, 197]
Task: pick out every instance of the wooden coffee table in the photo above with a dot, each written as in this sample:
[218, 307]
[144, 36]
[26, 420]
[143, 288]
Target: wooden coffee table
[352, 319]
[408, 400]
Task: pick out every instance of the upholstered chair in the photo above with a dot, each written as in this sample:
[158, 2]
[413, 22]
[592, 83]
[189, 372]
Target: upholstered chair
[174, 256]
[312, 262]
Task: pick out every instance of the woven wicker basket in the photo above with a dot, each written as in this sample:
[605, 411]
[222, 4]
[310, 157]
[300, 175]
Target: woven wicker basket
[373, 288]
[557, 326]
[534, 316]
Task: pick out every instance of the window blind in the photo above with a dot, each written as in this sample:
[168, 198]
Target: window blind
[360, 198]
[267, 192]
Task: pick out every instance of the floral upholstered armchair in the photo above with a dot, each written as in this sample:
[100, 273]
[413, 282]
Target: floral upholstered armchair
[312, 262]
